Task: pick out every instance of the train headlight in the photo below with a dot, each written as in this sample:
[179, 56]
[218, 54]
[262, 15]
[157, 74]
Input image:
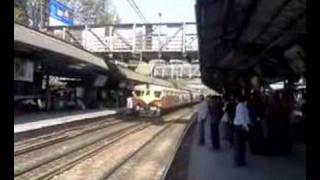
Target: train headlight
[153, 108]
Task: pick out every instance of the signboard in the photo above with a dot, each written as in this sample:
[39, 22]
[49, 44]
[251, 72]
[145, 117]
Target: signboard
[60, 14]
[23, 70]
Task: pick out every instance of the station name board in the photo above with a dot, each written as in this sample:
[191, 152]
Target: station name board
[60, 14]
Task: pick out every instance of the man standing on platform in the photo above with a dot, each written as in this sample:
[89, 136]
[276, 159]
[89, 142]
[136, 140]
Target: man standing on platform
[202, 116]
[130, 104]
[241, 122]
[230, 110]
[216, 113]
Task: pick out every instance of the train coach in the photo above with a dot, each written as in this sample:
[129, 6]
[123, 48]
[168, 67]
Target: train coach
[154, 99]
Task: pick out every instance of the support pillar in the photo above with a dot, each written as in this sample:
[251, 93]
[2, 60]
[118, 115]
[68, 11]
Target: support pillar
[48, 93]
[64, 33]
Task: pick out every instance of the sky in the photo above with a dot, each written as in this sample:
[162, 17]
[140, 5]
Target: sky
[171, 10]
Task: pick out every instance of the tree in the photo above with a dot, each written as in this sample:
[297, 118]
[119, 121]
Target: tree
[93, 11]
[30, 12]
[36, 12]
[20, 13]
[109, 18]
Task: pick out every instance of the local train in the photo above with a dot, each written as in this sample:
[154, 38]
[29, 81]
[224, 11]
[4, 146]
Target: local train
[158, 99]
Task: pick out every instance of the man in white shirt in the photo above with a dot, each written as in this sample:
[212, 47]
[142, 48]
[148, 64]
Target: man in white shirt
[241, 122]
[130, 107]
[242, 118]
[202, 116]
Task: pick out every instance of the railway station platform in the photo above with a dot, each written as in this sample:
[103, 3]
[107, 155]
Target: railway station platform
[206, 164]
[28, 122]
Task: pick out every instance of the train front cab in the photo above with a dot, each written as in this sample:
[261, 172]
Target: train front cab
[147, 100]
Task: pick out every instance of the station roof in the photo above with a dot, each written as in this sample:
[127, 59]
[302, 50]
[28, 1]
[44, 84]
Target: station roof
[238, 39]
[64, 59]
[59, 56]
[144, 79]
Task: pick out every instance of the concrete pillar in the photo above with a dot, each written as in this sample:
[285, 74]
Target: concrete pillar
[85, 37]
[91, 97]
[48, 93]
[162, 71]
[171, 67]
[64, 33]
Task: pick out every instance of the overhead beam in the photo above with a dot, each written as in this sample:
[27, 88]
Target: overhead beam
[272, 18]
[227, 15]
[129, 25]
[248, 14]
[279, 37]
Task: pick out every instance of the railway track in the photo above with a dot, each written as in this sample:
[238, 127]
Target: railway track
[62, 131]
[27, 161]
[70, 157]
[59, 136]
[154, 159]
[65, 161]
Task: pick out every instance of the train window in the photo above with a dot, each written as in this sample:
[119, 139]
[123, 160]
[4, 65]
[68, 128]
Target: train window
[157, 94]
[147, 93]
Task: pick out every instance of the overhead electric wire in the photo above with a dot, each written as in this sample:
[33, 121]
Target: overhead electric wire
[137, 10]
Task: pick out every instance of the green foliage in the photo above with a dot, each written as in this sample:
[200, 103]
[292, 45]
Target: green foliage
[94, 11]
[20, 15]
[109, 18]
[85, 11]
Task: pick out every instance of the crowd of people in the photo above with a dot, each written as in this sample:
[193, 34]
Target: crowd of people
[269, 123]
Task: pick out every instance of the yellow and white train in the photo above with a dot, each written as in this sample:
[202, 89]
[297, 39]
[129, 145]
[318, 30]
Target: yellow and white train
[154, 98]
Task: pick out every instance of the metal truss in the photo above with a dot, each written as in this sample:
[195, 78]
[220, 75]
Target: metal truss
[135, 38]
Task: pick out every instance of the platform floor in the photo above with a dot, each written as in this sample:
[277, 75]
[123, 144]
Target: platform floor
[34, 121]
[205, 164]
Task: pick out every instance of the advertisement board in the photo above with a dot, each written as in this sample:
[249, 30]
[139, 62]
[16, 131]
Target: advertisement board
[60, 14]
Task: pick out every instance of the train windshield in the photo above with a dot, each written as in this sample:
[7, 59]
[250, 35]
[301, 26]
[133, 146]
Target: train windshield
[157, 94]
[139, 93]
